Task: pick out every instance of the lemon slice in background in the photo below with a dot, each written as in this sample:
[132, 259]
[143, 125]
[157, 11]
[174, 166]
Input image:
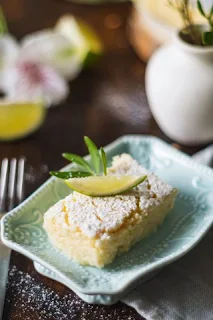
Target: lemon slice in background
[18, 119]
[99, 186]
[82, 37]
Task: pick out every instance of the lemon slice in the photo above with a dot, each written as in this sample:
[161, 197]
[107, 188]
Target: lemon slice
[19, 119]
[81, 36]
[96, 186]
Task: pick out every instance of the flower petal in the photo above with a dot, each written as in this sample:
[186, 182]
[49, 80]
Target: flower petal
[35, 81]
[68, 27]
[9, 51]
[55, 88]
[54, 49]
[8, 79]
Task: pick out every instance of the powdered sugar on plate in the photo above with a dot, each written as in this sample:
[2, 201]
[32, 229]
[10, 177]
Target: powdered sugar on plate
[33, 300]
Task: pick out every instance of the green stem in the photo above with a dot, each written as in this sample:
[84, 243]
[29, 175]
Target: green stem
[182, 6]
[210, 22]
[3, 23]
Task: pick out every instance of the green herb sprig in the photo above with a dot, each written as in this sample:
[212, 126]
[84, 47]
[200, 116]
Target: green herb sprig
[95, 156]
[196, 35]
[98, 166]
[207, 36]
[104, 161]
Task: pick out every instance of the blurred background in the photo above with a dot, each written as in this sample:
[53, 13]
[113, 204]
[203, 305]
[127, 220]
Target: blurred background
[84, 74]
[107, 99]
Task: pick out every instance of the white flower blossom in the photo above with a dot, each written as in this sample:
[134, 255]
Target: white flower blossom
[9, 52]
[54, 49]
[35, 81]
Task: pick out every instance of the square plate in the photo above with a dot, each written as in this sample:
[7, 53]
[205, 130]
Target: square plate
[187, 223]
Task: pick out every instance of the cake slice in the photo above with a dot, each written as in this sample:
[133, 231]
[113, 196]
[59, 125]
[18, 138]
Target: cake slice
[94, 230]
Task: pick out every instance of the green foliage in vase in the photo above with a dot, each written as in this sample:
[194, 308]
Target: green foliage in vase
[196, 35]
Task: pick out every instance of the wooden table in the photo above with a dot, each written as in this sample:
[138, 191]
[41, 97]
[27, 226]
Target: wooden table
[105, 102]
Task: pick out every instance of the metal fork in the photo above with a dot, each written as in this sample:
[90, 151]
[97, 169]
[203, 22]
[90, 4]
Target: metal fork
[11, 194]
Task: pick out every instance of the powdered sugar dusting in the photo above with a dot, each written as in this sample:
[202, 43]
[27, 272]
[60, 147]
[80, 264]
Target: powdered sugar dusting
[33, 300]
[124, 164]
[97, 215]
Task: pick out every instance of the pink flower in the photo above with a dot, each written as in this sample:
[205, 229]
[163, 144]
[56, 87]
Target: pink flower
[35, 81]
[54, 49]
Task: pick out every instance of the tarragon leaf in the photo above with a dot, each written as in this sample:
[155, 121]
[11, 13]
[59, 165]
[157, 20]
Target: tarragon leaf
[207, 38]
[104, 160]
[70, 174]
[95, 156]
[211, 11]
[79, 160]
[200, 8]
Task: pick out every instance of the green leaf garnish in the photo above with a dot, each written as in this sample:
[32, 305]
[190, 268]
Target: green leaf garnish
[104, 161]
[95, 156]
[79, 160]
[211, 11]
[70, 174]
[98, 159]
[200, 8]
[3, 23]
[207, 38]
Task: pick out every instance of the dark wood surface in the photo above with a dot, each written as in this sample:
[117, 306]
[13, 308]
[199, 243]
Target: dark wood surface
[105, 102]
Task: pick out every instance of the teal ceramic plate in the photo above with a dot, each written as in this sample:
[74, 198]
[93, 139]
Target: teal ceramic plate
[190, 219]
[105, 299]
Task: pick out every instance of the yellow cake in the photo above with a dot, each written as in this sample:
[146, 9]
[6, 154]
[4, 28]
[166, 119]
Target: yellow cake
[94, 230]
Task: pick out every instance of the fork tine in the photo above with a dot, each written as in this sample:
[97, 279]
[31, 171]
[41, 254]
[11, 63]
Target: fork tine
[11, 186]
[20, 179]
[3, 183]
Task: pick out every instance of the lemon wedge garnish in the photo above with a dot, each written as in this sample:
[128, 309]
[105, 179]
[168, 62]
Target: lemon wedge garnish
[99, 186]
[18, 119]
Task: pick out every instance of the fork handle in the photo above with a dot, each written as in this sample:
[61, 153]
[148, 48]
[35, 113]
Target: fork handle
[4, 267]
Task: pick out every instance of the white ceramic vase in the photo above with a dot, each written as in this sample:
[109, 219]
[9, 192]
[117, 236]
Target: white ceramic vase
[179, 86]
